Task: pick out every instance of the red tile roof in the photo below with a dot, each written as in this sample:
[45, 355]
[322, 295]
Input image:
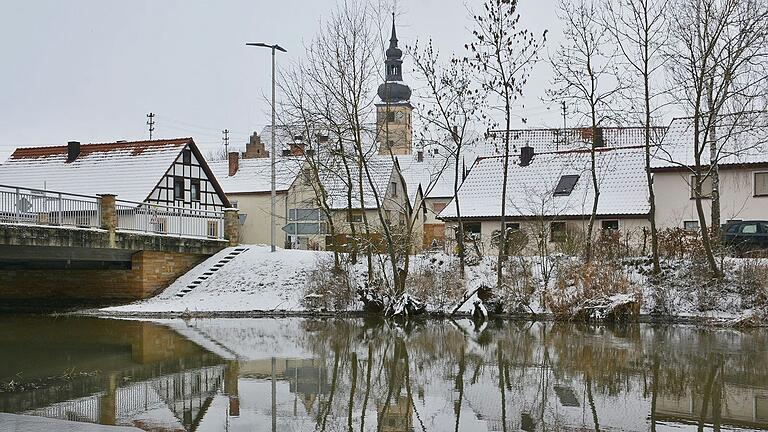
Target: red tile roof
[137, 147]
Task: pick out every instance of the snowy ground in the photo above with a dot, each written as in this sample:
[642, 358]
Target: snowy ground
[251, 279]
[255, 280]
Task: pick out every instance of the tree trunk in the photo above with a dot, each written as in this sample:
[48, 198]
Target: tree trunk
[503, 228]
[648, 175]
[595, 186]
[460, 235]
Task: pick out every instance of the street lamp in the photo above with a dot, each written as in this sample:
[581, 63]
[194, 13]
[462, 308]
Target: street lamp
[272, 152]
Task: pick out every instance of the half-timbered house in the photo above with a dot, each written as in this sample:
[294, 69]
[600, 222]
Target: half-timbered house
[151, 181]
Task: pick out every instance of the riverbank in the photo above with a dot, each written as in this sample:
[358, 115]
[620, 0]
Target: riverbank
[257, 283]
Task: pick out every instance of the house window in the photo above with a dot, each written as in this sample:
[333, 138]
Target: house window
[178, 188]
[213, 228]
[186, 156]
[706, 187]
[761, 184]
[194, 189]
[557, 232]
[609, 225]
[393, 186]
[565, 185]
[691, 225]
[511, 227]
[438, 207]
[472, 229]
[355, 218]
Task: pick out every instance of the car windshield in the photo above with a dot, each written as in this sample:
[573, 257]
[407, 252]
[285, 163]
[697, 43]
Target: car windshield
[749, 229]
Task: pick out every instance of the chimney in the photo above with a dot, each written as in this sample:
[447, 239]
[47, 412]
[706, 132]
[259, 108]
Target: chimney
[234, 162]
[73, 150]
[599, 139]
[526, 155]
[420, 156]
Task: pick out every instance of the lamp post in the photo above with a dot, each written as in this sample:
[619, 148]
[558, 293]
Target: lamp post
[274, 48]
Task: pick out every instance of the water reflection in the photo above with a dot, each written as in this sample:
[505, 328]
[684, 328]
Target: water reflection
[358, 375]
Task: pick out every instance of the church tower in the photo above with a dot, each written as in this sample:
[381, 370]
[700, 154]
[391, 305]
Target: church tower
[393, 113]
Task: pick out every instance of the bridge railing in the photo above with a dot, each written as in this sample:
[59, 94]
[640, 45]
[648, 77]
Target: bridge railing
[44, 207]
[169, 220]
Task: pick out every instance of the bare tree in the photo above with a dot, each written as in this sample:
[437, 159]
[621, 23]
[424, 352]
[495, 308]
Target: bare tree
[640, 30]
[585, 74]
[450, 110]
[718, 67]
[503, 53]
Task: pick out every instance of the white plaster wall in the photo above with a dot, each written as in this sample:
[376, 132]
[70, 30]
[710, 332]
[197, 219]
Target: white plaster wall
[737, 200]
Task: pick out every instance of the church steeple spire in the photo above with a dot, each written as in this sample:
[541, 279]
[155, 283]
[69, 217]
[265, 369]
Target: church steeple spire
[393, 113]
[392, 90]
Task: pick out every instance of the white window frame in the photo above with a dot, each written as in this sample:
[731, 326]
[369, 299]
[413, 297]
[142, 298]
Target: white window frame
[754, 183]
[698, 225]
[618, 224]
[691, 183]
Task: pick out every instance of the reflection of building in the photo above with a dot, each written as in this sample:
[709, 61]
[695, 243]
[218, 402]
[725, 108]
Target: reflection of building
[733, 404]
[145, 375]
[306, 378]
[397, 417]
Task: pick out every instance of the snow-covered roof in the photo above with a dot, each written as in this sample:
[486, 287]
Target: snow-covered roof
[435, 175]
[255, 175]
[530, 190]
[336, 182]
[742, 139]
[130, 170]
[554, 139]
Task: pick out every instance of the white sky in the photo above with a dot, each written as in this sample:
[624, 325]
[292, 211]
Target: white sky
[90, 70]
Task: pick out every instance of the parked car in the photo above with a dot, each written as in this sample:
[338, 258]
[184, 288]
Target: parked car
[744, 237]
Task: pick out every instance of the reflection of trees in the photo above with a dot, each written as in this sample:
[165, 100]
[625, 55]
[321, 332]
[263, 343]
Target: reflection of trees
[381, 371]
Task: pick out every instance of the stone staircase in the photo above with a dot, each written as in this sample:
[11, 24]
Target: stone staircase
[211, 271]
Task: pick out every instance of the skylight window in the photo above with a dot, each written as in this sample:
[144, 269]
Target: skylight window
[565, 185]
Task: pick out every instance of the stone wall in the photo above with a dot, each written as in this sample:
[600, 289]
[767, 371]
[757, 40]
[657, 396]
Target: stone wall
[150, 273]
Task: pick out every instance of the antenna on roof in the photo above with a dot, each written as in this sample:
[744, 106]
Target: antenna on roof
[565, 128]
[225, 139]
[151, 124]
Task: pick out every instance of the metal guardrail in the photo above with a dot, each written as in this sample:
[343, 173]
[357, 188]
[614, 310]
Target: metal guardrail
[28, 206]
[168, 220]
[22, 205]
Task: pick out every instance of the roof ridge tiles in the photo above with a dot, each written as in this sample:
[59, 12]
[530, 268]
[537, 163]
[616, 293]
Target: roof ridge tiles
[42, 151]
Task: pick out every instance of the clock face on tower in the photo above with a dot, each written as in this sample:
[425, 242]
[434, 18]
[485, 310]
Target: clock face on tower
[399, 116]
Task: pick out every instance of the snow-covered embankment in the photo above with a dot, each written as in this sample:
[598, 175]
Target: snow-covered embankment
[246, 278]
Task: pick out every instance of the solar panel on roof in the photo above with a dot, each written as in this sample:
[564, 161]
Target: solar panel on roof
[566, 184]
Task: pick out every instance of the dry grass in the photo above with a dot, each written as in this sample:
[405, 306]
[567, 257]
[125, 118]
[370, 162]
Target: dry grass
[436, 281]
[579, 284]
[328, 288]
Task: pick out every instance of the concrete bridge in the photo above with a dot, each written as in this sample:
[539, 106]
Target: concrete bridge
[63, 247]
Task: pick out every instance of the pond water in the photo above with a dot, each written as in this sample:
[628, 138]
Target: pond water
[358, 375]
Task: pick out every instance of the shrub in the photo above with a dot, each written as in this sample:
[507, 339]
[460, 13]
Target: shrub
[518, 285]
[435, 280]
[592, 286]
[751, 280]
[677, 243]
[328, 288]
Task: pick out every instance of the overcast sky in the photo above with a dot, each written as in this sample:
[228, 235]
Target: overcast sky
[90, 70]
